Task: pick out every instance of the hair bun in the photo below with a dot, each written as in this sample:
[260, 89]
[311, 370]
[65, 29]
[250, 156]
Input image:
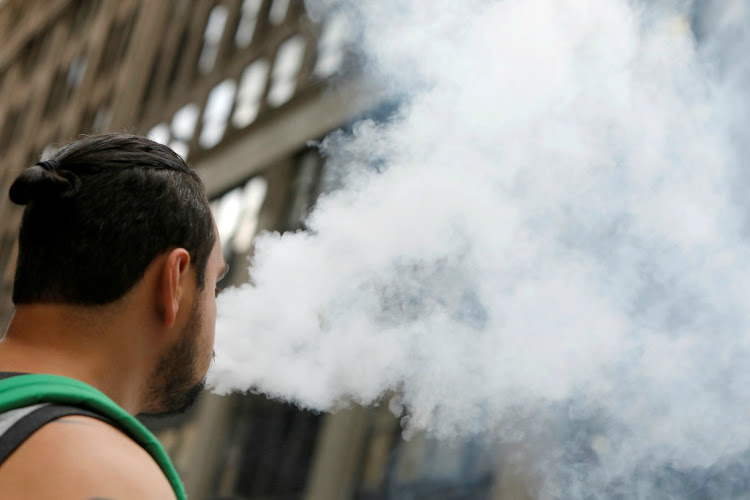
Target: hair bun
[43, 181]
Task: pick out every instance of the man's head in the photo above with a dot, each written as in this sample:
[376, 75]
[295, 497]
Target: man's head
[99, 214]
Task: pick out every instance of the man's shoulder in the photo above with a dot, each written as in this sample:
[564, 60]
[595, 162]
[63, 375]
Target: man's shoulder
[82, 457]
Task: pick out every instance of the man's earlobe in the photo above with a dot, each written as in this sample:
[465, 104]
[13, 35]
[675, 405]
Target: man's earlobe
[172, 284]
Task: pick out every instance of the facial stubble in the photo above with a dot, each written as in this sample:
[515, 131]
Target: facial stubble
[173, 388]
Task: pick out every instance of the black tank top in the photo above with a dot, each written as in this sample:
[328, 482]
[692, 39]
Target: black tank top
[16, 426]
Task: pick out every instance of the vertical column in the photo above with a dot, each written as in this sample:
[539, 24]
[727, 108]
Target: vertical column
[338, 455]
[144, 49]
[512, 479]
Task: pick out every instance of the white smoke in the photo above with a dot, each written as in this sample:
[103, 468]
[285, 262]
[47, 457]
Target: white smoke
[548, 233]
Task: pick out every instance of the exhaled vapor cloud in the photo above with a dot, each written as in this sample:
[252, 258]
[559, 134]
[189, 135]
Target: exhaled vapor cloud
[553, 246]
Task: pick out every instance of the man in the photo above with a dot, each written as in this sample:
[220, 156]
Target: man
[117, 266]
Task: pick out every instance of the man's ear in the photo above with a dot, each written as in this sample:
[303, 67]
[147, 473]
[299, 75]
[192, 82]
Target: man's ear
[172, 283]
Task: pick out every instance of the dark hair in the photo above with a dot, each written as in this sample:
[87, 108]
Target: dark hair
[97, 214]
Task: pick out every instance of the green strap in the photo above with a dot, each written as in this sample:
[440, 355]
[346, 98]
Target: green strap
[26, 390]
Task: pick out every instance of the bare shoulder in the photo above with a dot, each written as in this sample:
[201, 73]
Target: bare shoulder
[81, 457]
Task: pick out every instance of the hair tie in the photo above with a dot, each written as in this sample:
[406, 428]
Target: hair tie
[50, 165]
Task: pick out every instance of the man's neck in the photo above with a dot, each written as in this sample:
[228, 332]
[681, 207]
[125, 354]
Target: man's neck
[70, 341]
